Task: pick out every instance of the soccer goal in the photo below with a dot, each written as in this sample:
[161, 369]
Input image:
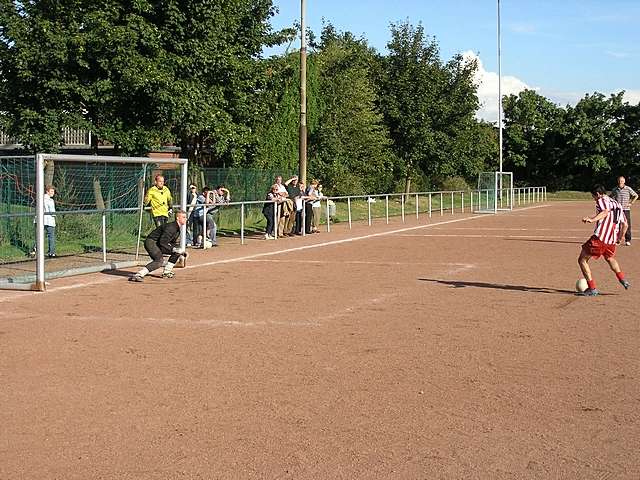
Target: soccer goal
[495, 192]
[99, 220]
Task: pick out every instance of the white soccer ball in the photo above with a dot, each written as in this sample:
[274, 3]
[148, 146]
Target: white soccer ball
[581, 285]
[208, 244]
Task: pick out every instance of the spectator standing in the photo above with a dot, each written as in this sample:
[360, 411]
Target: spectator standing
[192, 200]
[268, 211]
[160, 199]
[299, 202]
[285, 205]
[293, 190]
[219, 196]
[49, 222]
[316, 207]
[205, 200]
[625, 196]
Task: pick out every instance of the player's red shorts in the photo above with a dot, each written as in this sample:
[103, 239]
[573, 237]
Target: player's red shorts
[597, 248]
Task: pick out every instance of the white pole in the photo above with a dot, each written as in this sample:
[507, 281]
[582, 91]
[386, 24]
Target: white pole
[304, 219]
[452, 212]
[242, 224]
[402, 206]
[369, 209]
[500, 87]
[429, 205]
[40, 274]
[349, 209]
[275, 220]
[328, 218]
[417, 208]
[204, 226]
[441, 204]
[183, 204]
[144, 184]
[386, 203]
[104, 237]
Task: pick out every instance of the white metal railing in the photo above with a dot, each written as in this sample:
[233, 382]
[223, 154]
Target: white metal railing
[448, 202]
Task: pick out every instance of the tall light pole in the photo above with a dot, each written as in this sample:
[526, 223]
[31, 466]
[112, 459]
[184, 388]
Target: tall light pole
[303, 96]
[499, 88]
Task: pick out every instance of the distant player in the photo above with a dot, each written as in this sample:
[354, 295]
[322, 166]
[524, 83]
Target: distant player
[625, 196]
[164, 240]
[611, 226]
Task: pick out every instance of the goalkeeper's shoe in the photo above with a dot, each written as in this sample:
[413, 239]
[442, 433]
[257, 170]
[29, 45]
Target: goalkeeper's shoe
[168, 275]
[136, 278]
[625, 284]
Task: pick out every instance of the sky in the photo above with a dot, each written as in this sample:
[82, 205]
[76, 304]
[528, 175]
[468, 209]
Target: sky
[563, 49]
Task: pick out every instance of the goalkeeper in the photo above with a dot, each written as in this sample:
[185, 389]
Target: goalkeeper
[164, 240]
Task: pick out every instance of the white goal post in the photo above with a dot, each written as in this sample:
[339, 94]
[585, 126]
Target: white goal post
[93, 160]
[495, 192]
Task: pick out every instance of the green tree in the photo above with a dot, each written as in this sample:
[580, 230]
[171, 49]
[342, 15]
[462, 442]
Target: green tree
[137, 73]
[533, 140]
[350, 148]
[428, 105]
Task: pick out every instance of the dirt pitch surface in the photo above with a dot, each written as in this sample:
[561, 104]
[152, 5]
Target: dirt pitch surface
[451, 347]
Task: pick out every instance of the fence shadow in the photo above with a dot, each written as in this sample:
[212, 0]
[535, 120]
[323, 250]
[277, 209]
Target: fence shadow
[502, 286]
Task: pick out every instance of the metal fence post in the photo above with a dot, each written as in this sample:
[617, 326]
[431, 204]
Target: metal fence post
[275, 220]
[242, 224]
[386, 203]
[402, 206]
[441, 205]
[462, 201]
[204, 227]
[417, 208]
[369, 209]
[452, 212]
[104, 237]
[304, 219]
[328, 217]
[429, 204]
[349, 209]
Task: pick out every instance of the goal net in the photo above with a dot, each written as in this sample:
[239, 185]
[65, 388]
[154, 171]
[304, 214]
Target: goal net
[495, 192]
[99, 217]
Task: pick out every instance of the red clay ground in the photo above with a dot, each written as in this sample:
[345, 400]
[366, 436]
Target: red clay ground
[445, 351]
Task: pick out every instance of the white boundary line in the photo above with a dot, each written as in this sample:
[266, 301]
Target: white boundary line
[470, 235]
[267, 254]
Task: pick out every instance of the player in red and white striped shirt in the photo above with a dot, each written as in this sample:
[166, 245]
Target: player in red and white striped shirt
[611, 226]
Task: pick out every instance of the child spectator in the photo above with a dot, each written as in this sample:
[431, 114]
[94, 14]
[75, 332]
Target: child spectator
[268, 211]
[49, 222]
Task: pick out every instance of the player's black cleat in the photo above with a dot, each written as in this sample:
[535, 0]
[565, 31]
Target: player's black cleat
[625, 283]
[136, 278]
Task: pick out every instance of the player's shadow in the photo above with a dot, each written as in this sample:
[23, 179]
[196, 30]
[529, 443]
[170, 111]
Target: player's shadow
[543, 240]
[117, 273]
[499, 286]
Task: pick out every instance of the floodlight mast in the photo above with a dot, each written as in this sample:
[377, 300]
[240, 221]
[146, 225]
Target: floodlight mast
[302, 140]
[499, 88]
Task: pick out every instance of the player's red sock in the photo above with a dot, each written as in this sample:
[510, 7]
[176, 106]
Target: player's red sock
[592, 284]
[620, 275]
